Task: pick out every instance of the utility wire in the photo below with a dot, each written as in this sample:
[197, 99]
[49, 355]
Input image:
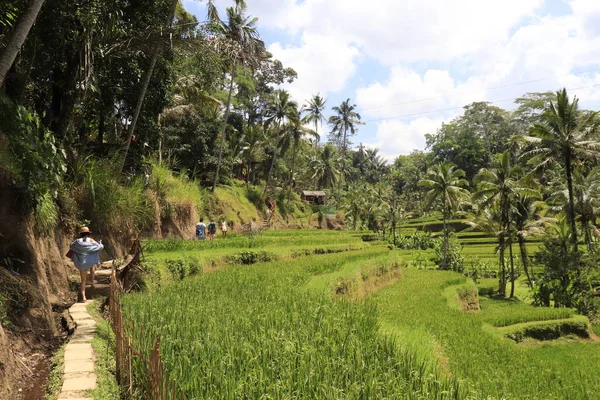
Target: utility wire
[457, 108]
[479, 90]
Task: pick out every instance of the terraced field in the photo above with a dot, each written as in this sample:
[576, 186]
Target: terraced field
[325, 315]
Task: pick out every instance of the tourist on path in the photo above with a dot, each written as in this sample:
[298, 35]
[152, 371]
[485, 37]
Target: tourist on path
[224, 228]
[201, 230]
[85, 255]
[212, 230]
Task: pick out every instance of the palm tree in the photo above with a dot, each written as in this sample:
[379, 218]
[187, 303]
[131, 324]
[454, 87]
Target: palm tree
[280, 110]
[244, 48]
[325, 166]
[564, 136]
[314, 111]
[526, 208]
[294, 133]
[344, 124]
[446, 185]
[18, 37]
[500, 185]
[586, 196]
[140, 100]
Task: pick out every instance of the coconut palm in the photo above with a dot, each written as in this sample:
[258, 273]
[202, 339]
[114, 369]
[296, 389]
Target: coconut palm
[325, 166]
[586, 196]
[344, 124]
[446, 186]
[294, 133]
[564, 136]
[314, 111]
[244, 49]
[280, 111]
[500, 185]
[528, 221]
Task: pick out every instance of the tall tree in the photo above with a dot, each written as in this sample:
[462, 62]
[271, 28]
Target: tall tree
[18, 37]
[280, 111]
[564, 136]
[446, 186]
[343, 125]
[325, 166]
[296, 131]
[244, 48]
[140, 101]
[314, 111]
[501, 184]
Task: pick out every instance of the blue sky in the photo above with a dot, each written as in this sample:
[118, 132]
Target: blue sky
[403, 61]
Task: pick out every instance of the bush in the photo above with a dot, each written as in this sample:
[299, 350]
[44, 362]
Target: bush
[33, 159]
[181, 269]
[478, 269]
[250, 257]
[417, 241]
[454, 260]
[567, 278]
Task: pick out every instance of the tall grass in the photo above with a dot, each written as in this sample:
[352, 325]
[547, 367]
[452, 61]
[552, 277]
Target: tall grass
[491, 365]
[176, 191]
[109, 204]
[254, 333]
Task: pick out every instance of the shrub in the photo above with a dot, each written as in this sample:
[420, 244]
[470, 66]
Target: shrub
[567, 278]
[478, 269]
[417, 241]
[454, 260]
[248, 257]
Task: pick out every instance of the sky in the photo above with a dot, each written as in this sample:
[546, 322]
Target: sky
[411, 65]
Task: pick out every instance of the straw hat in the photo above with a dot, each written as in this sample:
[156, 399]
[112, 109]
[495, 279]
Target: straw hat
[85, 229]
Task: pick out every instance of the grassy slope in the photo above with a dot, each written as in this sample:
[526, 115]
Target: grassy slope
[492, 365]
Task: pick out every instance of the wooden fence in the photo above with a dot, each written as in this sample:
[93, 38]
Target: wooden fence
[152, 381]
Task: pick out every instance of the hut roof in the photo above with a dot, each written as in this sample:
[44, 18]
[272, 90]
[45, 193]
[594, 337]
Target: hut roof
[314, 193]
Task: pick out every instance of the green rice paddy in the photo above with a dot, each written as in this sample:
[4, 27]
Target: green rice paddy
[329, 316]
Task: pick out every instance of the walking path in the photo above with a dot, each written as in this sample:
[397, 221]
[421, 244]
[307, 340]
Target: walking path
[79, 376]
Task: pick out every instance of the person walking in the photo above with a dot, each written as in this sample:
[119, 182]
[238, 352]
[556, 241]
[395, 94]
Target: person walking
[201, 230]
[212, 230]
[224, 228]
[85, 255]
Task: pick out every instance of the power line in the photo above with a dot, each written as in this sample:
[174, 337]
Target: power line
[479, 90]
[457, 108]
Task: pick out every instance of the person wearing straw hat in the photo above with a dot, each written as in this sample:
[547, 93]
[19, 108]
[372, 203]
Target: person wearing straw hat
[85, 256]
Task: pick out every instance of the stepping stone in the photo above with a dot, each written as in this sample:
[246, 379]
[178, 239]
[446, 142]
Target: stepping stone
[82, 338]
[80, 315]
[79, 384]
[78, 351]
[79, 366]
[85, 323]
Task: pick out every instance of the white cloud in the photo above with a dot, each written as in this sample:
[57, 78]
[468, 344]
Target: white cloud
[322, 64]
[446, 52]
[397, 137]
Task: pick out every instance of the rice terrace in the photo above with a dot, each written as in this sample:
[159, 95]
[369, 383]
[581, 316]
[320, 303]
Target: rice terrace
[299, 199]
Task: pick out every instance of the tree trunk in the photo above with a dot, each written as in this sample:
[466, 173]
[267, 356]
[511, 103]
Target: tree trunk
[525, 259]
[512, 264]
[502, 280]
[140, 101]
[586, 232]
[292, 170]
[222, 134]
[18, 37]
[571, 210]
[268, 179]
[445, 258]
